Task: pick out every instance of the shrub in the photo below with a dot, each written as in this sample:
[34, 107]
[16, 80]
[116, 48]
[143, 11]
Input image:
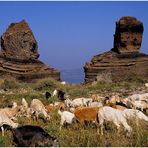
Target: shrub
[46, 84]
[9, 83]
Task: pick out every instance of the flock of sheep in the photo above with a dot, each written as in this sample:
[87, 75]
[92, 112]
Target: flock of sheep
[96, 109]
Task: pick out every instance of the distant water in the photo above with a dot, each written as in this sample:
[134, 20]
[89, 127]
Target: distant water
[73, 75]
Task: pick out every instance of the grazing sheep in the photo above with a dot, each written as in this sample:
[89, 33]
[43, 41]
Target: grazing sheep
[139, 105]
[97, 97]
[138, 97]
[78, 102]
[66, 117]
[32, 136]
[113, 99]
[11, 112]
[95, 104]
[107, 113]
[4, 119]
[132, 113]
[83, 114]
[137, 101]
[68, 102]
[86, 101]
[37, 107]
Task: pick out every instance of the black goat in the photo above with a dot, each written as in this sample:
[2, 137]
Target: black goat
[32, 136]
[47, 95]
[61, 95]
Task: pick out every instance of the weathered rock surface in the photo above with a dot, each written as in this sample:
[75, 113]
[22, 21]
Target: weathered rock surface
[128, 35]
[124, 61]
[19, 55]
[18, 42]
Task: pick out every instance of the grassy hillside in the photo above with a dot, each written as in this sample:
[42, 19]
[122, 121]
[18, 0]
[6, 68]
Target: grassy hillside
[81, 135]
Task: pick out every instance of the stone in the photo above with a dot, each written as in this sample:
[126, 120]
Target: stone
[18, 42]
[121, 63]
[128, 35]
[19, 55]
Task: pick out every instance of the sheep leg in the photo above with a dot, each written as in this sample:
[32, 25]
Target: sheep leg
[28, 113]
[118, 127]
[62, 122]
[101, 128]
[2, 130]
[101, 121]
[127, 128]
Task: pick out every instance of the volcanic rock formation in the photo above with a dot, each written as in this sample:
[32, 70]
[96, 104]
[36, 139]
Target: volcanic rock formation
[19, 55]
[123, 61]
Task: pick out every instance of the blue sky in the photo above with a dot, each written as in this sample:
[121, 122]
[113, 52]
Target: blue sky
[70, 33]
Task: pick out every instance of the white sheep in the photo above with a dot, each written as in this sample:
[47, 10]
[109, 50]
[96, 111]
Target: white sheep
[37, 107]
[138, 104]
[132, 113]
[110, 114]
[10, 112]
[78, 102]
[95, 104]
[66, 117]
[86, 101]
[137, 97]
[4, 119]
[68, 102]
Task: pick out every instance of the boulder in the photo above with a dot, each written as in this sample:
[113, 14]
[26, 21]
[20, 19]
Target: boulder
[123, 62]
[128, 35]
[18, 42]
[19, 55]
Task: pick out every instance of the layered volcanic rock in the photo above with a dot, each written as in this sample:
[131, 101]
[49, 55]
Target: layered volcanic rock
[123, 61]
[19, 55]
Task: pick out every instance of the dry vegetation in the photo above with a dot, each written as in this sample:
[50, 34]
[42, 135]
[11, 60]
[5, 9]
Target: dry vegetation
[82, 135]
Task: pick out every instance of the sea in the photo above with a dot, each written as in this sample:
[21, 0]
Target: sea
[73, 76]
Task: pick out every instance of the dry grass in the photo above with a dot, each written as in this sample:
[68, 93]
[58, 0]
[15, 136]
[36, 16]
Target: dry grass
[81, 136]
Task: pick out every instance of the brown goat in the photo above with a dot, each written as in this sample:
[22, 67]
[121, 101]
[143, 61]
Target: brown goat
[50, 108]
[86, 113]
